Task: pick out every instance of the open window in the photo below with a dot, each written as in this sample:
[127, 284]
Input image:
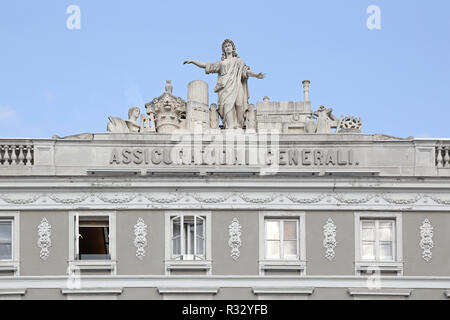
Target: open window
[92, 245]
[188, 237]
[188, 242]
[93, 238]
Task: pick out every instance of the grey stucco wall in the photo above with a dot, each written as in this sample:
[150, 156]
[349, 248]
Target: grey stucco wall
[415, 265]
[343, 262]
[30, 261]
[127, 262]
[247, 263]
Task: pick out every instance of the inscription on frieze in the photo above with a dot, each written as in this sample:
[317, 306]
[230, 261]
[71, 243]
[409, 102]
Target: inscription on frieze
[167, 156]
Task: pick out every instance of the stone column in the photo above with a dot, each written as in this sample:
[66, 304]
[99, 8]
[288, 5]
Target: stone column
[306, 84]
[197, 110]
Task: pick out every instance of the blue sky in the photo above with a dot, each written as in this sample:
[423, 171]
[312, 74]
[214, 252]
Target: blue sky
[59, 81]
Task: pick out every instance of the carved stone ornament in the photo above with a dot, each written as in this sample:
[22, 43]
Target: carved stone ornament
[44, 242]
[329, 241]
[426, 239]
[140, 240]
[234, 230]
[168, 111]
[350, 125]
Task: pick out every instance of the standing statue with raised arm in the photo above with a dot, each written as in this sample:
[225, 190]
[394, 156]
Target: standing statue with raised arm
[231, 85]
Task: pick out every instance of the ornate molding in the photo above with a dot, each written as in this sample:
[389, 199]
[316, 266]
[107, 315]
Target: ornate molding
[329, 241]
[208, 198]
[71, 198]
[170, 197]
[140, 240]
[116, 197]
[44, 242]
[306, 200]
[245, 199]
[351, 199]
[257, 198]
[426, 240]
[20, 199]
[235, 242]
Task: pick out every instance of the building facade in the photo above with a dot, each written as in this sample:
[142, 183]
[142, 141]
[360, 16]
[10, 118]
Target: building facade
[178, 207]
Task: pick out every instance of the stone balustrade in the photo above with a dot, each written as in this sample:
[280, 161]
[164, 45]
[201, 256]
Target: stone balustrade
[443, 155]
[16, 155]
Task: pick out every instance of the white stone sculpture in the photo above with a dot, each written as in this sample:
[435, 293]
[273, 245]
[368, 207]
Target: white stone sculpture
[140, 240]
[118, 125]
[169, 112]
[44, 242]
[251, 118]
[329, 241]
[325, 120]
[426, 240]
[213, 117]
[235, 242]
[231, 84]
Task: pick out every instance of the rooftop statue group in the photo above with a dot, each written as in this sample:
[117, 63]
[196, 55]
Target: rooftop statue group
[167, 113]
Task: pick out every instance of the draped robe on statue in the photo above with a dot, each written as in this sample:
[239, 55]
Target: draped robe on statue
[232, 89]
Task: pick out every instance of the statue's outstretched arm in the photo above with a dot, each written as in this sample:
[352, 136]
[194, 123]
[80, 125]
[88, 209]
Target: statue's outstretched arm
[197, 63]
[259, 75]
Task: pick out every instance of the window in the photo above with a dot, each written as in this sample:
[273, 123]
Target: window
[9, 243]
[188, 237]
[92, 245]
[188, 242]
[377, 240]
[282, 242]
[378, 243]
[93, 238]
[281, 239]
[6, 228]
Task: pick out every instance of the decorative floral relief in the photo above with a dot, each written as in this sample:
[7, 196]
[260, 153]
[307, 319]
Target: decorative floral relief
[329, 241]
[116, 197]
[44, 242]
[140, 240]
[20, 199]
[164, 197]
[426, 239]
[68, 198]
[439, 200]
[234, 242]
[305, 200]
[248, 197]
[207, 198]
[363, 198]
[393, 200]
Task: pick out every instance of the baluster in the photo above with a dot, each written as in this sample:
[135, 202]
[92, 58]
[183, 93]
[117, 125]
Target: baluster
[447, 156]
[7, 156]
[29, 157]
[439, 157]
[21, 156]
[2, 155]
[13, 156]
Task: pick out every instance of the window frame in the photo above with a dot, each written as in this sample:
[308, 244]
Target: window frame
[74, 223]
[171, 263]
[298, 264]
[12, 264]
[395, 265]
[281, 240]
